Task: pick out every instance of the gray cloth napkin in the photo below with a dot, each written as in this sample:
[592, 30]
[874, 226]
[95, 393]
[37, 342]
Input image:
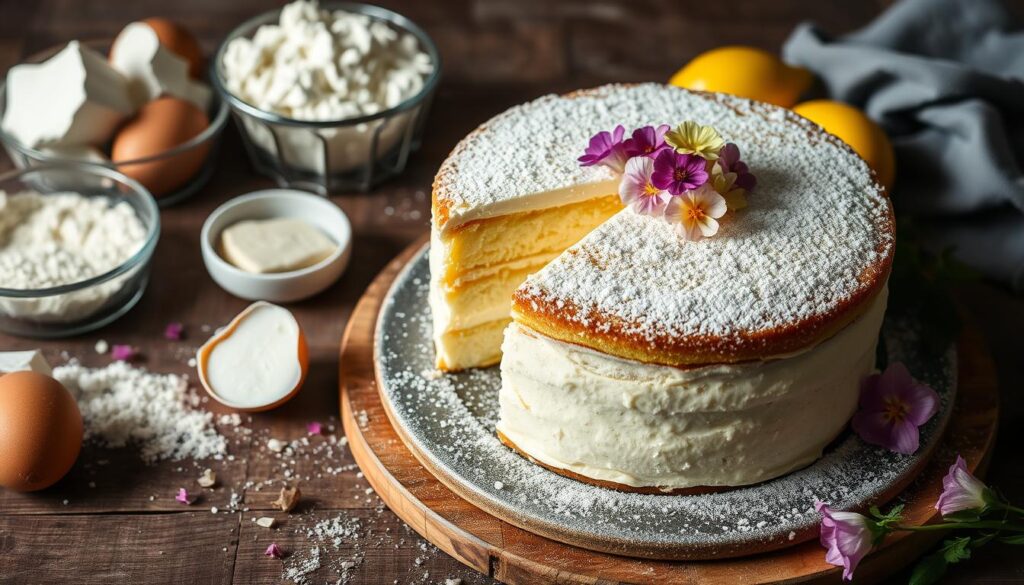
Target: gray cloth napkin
[944, 78]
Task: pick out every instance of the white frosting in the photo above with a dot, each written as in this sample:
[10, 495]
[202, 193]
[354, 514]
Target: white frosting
[649, 425]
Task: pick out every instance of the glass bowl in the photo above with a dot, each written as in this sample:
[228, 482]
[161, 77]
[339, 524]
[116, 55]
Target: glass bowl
[91, 303]
[334, 155]
[24, 156]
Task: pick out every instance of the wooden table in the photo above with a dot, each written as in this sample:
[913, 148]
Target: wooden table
[114, 519]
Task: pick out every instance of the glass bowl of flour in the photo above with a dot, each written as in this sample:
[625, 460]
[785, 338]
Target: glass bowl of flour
[76, 241]
[328, 97]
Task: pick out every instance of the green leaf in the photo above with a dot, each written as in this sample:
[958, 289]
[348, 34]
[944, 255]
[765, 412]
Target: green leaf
[929, 570]
[1015, 539]
[957, 549]
[982, 540]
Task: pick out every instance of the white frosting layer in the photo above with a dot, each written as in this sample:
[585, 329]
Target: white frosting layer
[647, 425]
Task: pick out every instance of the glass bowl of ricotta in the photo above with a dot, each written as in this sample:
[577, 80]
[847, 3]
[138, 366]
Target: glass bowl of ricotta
[328, 98]
[76, 241]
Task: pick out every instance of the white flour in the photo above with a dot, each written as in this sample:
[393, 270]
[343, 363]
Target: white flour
[63, 238]
[158, 413]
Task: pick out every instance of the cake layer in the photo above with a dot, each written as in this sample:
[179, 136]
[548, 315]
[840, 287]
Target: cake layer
[476, 268]
[475, 347]
[478, 301]
[489, 244]
[643, 425]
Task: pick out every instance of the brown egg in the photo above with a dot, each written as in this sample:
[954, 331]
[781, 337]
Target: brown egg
[180, 42]
[40, 431]
[159, 126]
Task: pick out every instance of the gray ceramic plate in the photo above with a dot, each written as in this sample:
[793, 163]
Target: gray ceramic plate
[448, 422]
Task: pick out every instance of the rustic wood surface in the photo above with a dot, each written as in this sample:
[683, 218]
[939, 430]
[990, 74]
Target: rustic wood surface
[413, 486]
[114, 519]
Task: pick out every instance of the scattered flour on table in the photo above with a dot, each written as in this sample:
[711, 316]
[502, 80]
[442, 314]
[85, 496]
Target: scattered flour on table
[122, 405]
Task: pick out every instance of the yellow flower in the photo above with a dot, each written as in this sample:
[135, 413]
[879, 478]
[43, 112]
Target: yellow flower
[735, 197]
[692, 138]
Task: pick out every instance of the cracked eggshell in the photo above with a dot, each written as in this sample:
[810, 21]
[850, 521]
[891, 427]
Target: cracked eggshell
[153, 69]
[257, 362]
[180, 42]
[73, 98]
[40, 431]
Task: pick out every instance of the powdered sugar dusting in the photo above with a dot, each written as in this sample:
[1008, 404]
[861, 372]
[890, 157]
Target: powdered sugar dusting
[451, 418]
[817, 224]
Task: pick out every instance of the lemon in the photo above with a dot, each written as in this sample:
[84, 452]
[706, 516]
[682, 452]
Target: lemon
[862, 134]
[746, 72]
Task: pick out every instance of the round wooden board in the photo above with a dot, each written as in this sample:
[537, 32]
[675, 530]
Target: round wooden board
[514, 555]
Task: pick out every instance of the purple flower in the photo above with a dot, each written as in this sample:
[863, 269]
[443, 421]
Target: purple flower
[174, 331]
[606, 148]
[183, 497]
[678, 173]
[961, 490]
[647, 141]
[892, 407]
[638, 192]
[314, 428]
[123, 353]
[729, 161]
[846, 536]
[273, 551]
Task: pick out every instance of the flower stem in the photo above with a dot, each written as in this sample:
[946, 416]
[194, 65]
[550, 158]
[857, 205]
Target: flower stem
[1013, 509]
[994, 525]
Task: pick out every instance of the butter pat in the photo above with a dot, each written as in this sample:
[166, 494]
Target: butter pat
[73, 98]
[152, 70]
[275, 245]
[24, 361]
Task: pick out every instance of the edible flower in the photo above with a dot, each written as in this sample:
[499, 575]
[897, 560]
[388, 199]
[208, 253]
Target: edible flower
[314, 428]
[892, 407]
[273, 551]
[694, 212]
[692, 138]
[183, 497]
[174, 331]
[606, 148]
[725, 184]
[729, 162]
[678, 173]
[847, 536]
[646, 141]
[962, 491]
[123, 353]
[638, 192]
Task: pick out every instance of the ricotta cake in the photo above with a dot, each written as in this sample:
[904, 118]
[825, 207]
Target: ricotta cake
[636, 358]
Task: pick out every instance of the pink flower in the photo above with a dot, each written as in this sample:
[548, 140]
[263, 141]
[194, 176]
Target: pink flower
[606, 148]
[638, 192]
[273, 551]
[123, 353]
[961, 490]
[695, 212]
[679, 173]
[183, 497]
[646, 141]
[847, 536]
[729, 161]
[314, 428]
[892, 407]
[174, 331]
